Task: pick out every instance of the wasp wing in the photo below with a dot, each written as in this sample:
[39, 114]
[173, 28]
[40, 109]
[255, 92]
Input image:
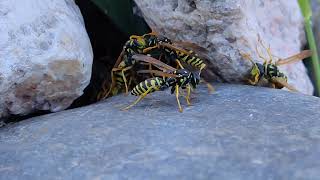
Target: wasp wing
[295, 58]
[282, 82]
[158, 73]
[190, 45]
[162, 66]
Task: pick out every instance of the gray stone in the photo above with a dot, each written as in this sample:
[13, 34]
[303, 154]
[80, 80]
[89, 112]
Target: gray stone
[227, 28]
[45, 55]
[239, 132]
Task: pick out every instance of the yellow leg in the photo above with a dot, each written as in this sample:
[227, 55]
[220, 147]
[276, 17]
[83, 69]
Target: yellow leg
[177, 97]
[209, 86]
[137, 100]
[252, 82]
[179, 64]
[188, 95]
[149, 49]
[102, 94]
[112, 84]
[181, 93]
[125, 79]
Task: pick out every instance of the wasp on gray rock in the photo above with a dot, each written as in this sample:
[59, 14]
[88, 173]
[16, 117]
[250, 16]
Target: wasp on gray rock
[269, 71]
[171, 77]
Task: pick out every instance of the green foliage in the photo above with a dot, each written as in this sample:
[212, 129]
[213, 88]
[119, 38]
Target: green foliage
[121, 13]
[305, 8]
[307, 14]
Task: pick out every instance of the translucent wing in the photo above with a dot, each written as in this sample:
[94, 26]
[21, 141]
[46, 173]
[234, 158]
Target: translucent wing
[156, 72]
[282, 82]
[295, 58]
[153, 61]
[190, 45]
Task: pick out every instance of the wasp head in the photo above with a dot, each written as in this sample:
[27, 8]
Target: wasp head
[163, 39]
[185, 77]
[195, 79]
[138, 42]
[256, 72]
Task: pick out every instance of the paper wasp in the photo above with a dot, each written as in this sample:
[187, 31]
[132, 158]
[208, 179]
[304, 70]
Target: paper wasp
[269, 71]
[120, 73]
[171, 77]
[150, 43]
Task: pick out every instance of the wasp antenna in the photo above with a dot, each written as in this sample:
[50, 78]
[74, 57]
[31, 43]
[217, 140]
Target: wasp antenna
[247, 57]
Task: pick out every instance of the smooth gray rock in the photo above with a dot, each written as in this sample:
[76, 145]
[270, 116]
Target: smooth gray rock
[239, 132]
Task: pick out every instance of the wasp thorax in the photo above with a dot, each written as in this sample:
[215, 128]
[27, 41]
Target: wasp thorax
[164, 39]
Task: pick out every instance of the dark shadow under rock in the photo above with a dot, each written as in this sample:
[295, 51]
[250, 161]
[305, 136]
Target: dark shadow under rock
[239, 132]
[107, 41]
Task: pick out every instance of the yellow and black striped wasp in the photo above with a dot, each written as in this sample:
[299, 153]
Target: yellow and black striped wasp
[170, 77]
[176, 51]
[120, 73]
[157, 46]
[269, 71]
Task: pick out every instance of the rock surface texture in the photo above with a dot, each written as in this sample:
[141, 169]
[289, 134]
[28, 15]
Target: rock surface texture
[239, 132]
[227, 28]
[45, 55]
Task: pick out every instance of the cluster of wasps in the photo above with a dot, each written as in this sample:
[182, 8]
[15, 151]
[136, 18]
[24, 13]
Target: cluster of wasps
[150, 58]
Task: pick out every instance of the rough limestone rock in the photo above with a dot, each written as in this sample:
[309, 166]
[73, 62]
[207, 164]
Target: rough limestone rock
[239, 132]
[227, 28]
[45, 55]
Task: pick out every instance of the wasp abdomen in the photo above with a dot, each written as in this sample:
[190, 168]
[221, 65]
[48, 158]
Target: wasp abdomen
[191, 59]
[152, 84]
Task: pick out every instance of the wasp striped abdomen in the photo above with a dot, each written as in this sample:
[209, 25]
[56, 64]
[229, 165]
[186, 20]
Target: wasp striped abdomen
[148, 85]
[192, 59]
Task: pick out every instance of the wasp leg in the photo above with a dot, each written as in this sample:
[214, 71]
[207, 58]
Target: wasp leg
[177, 97]
[181, 93]
[149, 49]
[137, 100]
[255, 81]
[252, 82]
[104, 95]
[188, 95]
[209, 86]
[125, 79]
[179, 64]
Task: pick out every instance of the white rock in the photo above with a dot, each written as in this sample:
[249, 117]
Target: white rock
[45, 55]
[227, 27]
